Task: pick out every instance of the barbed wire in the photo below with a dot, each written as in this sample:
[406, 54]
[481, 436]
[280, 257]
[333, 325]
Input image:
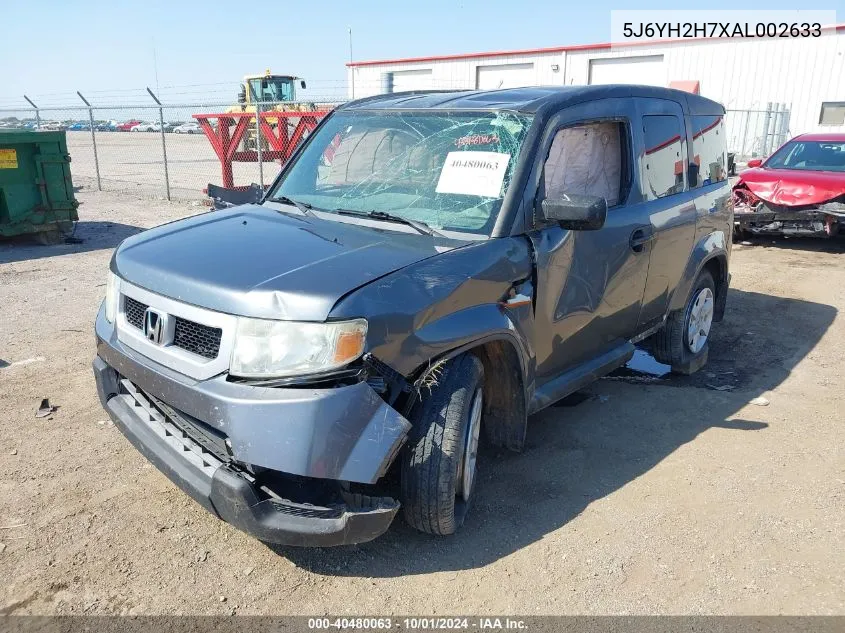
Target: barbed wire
[223, 91]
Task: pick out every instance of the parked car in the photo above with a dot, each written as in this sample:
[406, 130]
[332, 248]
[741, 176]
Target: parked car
[456, 262]
[146, 127]
[126, 126]
[798, 190]
[105, 126]
[191, 127]
[79, 126]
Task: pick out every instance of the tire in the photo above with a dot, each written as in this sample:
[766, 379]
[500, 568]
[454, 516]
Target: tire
[434, 497]
[50, 237]
[672, 345]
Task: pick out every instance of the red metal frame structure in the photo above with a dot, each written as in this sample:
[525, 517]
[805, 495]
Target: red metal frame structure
[225, 131]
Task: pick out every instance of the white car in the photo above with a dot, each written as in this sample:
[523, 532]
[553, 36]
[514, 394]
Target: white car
[191, 127]
[146, 127]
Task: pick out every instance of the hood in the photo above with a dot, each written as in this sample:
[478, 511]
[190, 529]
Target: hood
[254, 261]
[793, 187]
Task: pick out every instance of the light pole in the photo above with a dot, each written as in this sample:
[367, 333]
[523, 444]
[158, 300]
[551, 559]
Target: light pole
[351, 68]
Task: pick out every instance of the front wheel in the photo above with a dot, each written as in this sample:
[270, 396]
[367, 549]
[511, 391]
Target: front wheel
[682, 343]
[439, 464]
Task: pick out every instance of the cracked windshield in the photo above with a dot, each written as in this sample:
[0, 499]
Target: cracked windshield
[448, 171]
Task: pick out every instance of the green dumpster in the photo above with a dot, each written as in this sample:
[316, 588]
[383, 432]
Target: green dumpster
[36, 191]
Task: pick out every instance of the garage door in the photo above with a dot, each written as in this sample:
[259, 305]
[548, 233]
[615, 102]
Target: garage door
[412, 80]
[647, 70]
[504, 76]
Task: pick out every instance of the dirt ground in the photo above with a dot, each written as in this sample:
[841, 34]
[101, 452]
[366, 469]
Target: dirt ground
[658, 496]
[132, 163]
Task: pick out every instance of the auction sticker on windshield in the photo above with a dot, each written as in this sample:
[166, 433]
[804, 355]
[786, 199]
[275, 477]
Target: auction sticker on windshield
[473, 173]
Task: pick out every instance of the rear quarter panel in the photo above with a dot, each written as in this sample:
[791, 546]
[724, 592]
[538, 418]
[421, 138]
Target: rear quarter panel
[713, 237]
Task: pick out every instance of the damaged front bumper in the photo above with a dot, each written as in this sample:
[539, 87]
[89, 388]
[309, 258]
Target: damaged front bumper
[757, 217]
[218, 440]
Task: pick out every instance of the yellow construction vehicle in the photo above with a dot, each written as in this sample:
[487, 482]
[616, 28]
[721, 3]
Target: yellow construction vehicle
[273, 93]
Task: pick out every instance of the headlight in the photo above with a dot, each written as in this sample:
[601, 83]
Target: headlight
[112, 294]
[286, 348]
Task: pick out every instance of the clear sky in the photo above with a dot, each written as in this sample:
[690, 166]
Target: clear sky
[105, 49]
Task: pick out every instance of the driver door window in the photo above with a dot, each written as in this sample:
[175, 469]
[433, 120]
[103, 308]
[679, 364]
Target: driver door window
[587, 160]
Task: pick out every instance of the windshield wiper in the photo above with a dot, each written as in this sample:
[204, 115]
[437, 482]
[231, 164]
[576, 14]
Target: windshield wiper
[304, 207]
[421, 227]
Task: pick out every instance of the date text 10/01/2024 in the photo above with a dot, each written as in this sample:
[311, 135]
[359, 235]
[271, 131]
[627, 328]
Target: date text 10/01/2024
[417, 623]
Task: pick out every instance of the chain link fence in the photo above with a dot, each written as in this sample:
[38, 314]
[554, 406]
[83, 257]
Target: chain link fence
[152, 150]
[160, 150]
[757, 133]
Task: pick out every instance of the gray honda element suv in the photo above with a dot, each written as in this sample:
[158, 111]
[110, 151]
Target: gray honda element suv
[427, 271]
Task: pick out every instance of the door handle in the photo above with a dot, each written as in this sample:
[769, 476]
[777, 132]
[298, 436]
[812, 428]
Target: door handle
[640, 238]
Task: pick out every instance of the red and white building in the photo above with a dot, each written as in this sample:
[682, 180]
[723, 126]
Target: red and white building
[772, 88]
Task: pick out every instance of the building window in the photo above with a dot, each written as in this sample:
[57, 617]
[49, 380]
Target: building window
[833, 113]
[586, 160]
[708, 150]
[664, 156]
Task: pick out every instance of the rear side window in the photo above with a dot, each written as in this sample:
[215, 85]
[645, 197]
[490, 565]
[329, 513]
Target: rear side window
[587, 160]
[664, 173]
[708, 150]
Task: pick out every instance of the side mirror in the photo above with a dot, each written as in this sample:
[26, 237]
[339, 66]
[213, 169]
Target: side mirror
[302, 84]
[755, 162]
[576, 212]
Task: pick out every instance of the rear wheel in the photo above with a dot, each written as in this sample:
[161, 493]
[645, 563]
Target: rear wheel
[682, 343]
[50, 237]
[439, 464]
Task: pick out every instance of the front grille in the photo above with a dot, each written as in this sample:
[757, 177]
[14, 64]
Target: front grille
[134, 311]
[192, 337]
[209, 438]
[308, 511]
[198, 339]
[185, 444]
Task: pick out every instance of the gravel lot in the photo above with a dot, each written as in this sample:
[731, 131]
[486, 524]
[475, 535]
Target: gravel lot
[132, 163]
[648, 496]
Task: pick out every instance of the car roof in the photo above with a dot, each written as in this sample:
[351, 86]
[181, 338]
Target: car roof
[832, 137]
[528, 99]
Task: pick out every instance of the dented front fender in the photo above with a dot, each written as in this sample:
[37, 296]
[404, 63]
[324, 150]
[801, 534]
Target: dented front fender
[431, 307]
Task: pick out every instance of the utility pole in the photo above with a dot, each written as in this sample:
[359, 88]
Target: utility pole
[351, 68]
[155, 66]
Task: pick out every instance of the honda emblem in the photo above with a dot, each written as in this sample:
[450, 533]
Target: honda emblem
[154, 326]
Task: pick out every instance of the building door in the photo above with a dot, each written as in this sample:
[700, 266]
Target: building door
[648, 70]
[406, 80]
[504, 76]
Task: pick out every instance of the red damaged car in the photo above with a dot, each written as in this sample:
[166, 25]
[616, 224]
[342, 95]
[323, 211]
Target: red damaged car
[798, 190]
